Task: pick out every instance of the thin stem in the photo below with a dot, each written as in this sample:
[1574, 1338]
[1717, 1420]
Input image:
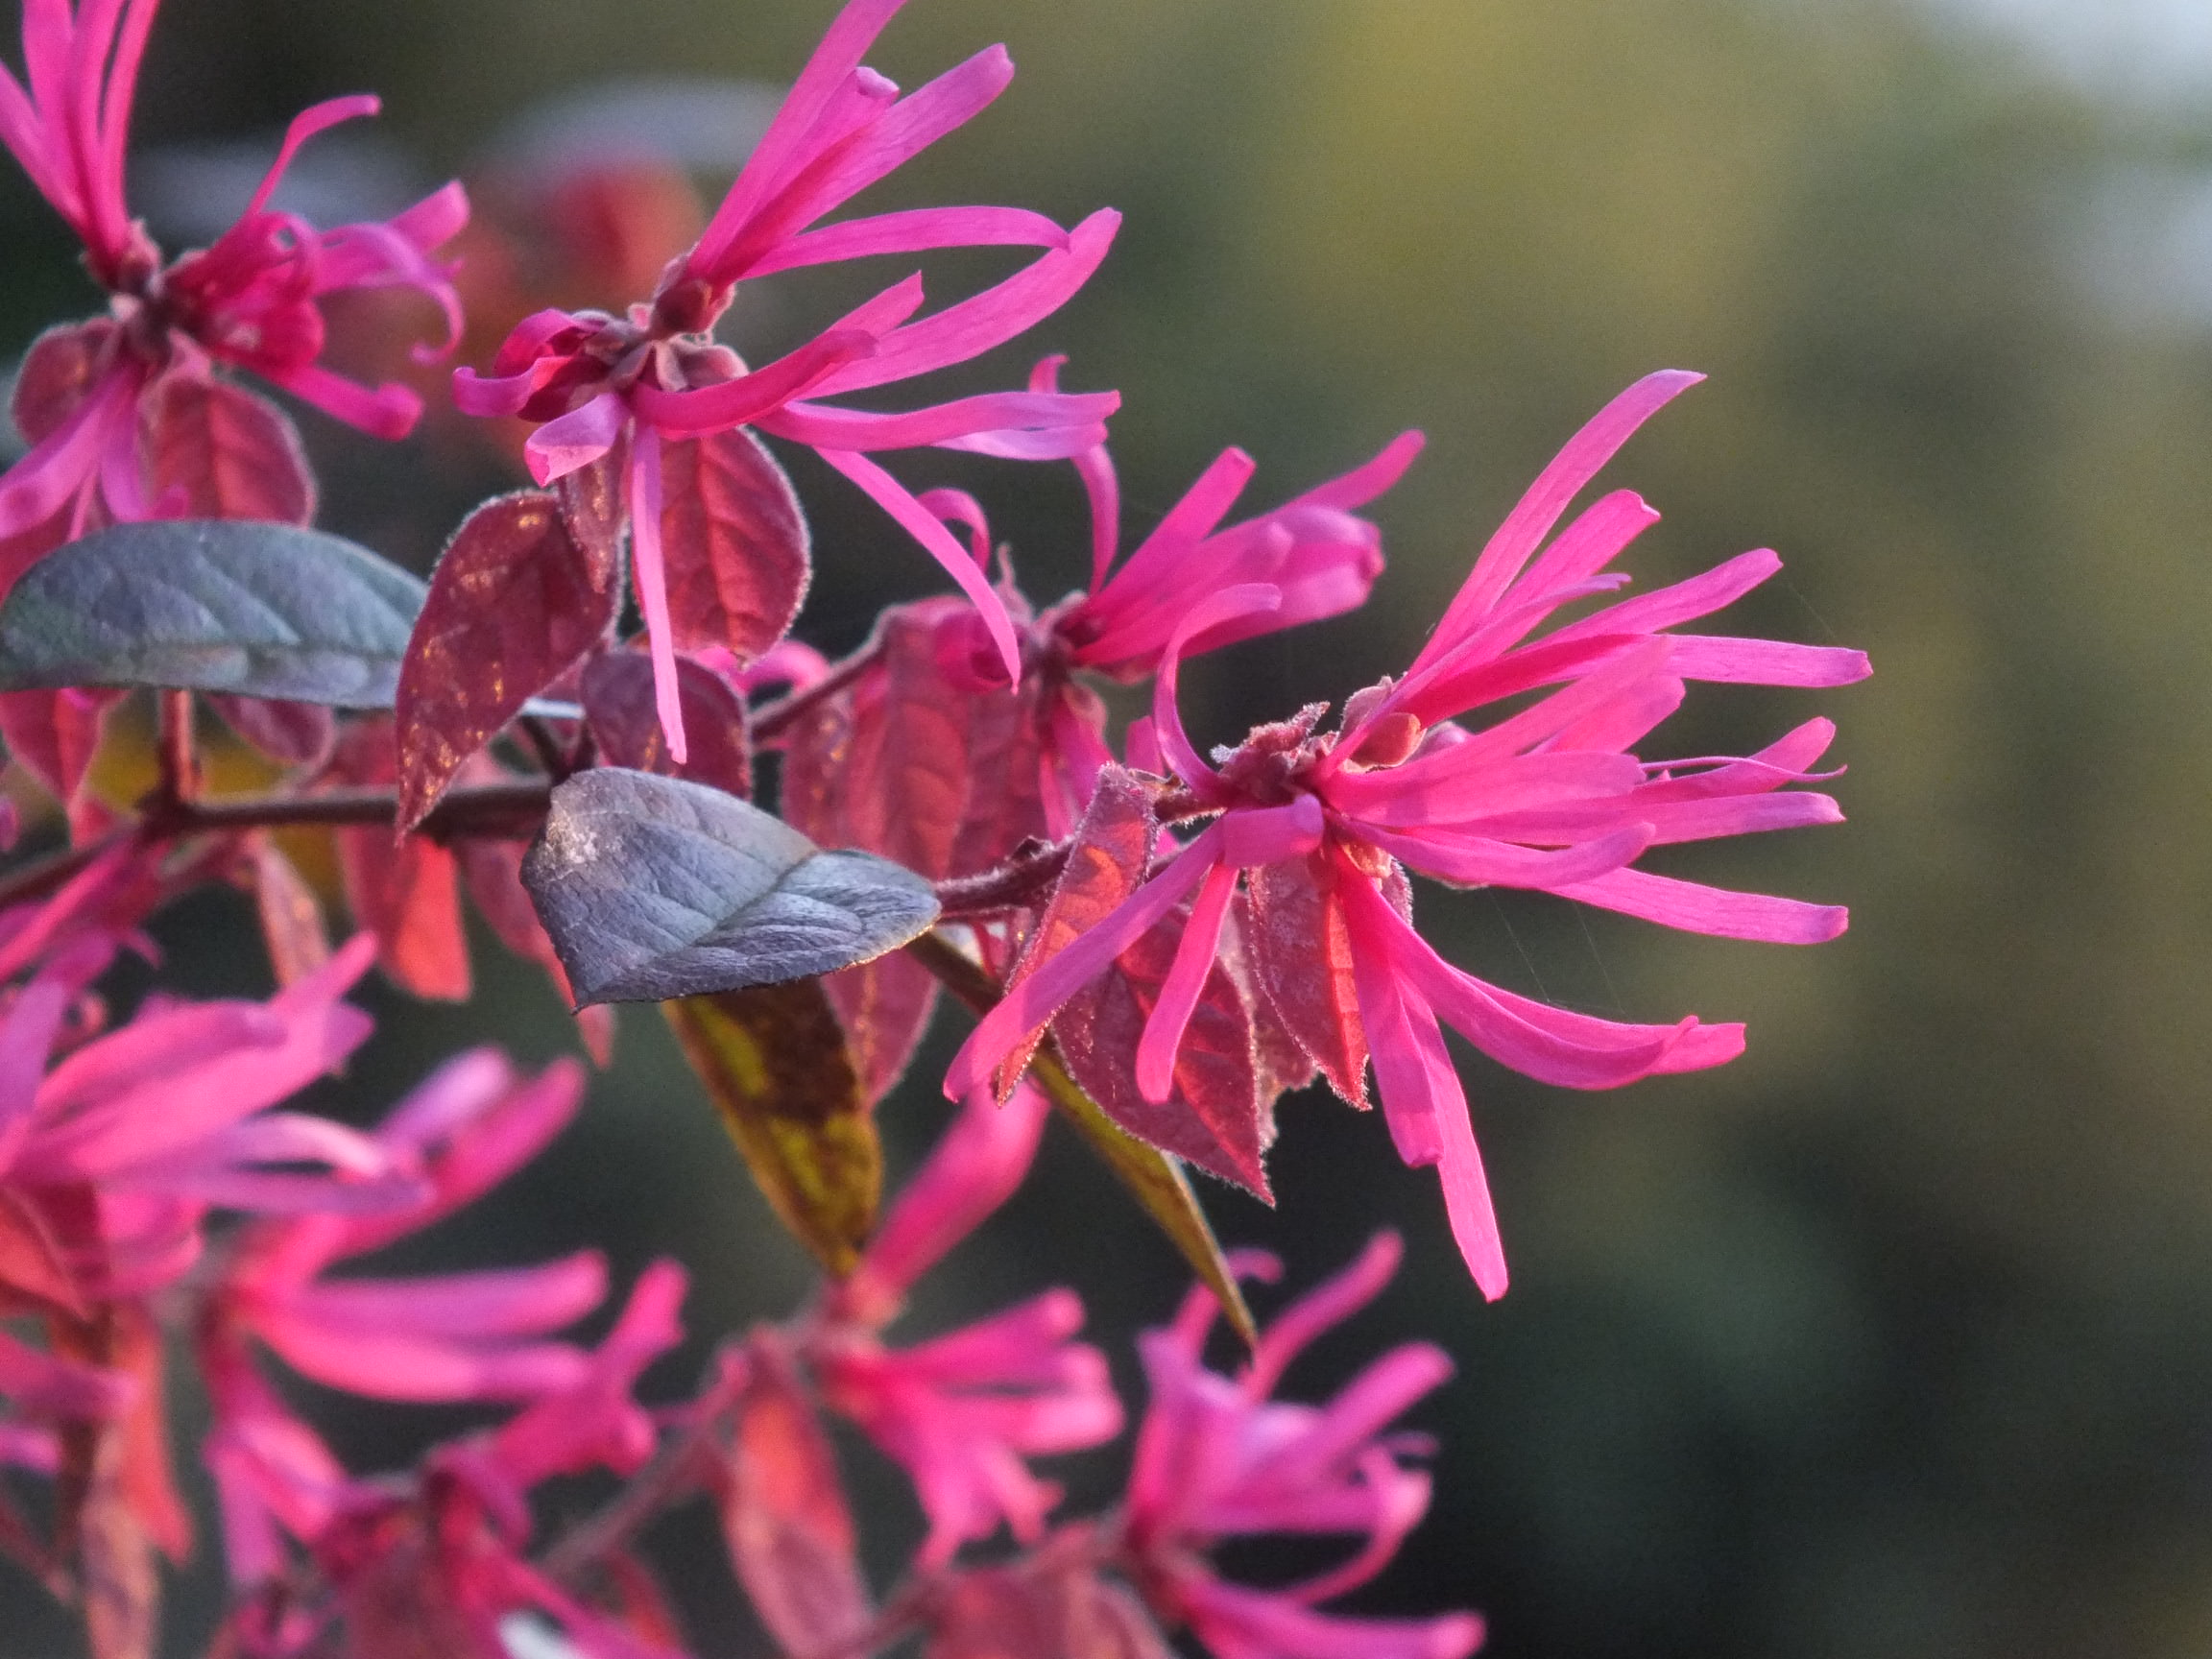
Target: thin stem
[180, 759]
[675, 1470]
[773, 721]
[1016, 884]
[497, 810]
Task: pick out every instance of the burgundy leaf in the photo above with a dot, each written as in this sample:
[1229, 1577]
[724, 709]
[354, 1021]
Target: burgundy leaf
[57, 373]
[1301, 958]
[784, 1514]
[291, 915]
[734, 541]
[406, 892]
[594, 507]
[514, 603]
[290, 734]
[1048, 1611]
[54, 734]
[34, 1270]
[618, 705]
[923, 763]
[1215, 1115]
[224, 451]
[1284, 1063]
[1113, 845]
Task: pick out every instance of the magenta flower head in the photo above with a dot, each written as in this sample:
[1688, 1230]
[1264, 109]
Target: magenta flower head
[961, 1412]
[455, 1336]
[1549, 798]
[253, 300]
[596, 382]
[1218, 1457]
[170, 1113]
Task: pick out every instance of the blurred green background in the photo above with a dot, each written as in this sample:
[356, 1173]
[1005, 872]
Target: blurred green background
[1894, 1339]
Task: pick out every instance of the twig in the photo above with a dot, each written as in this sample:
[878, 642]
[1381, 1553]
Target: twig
[1014, 885]
[179, 762]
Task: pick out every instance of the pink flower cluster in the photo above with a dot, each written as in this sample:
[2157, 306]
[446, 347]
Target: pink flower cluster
[1160, 942]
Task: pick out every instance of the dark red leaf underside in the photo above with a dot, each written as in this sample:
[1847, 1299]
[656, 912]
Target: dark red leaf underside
[618, 703]
[1050, 1611]
[221, 452]
[406, 892]
[34, 1271]
[734, 541]
[1113, 844]
[292, 924]
[57, 373]
[784, 1514]
[54, 735]
[289, 733]
[514, 603]
[1216, 1114]
[927, 764]
[1301, 956]
[1283, 1061]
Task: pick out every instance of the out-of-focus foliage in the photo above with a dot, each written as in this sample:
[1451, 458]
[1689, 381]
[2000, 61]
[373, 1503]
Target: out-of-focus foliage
[1893, 1338]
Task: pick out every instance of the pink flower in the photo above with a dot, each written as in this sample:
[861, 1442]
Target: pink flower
[1217, 1458]
[1318, 555]
[595, 381]
[169, 1115]
[440, 1561]
[960, 1412]
[1548, 798]
[456, 1337]
[252, 300]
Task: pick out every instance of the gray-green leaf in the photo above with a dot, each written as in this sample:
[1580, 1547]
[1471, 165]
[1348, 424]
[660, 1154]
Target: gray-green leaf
[652, 887]
[251, 609]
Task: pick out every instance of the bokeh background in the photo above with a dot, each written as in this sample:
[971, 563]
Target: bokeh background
[1894, 1339]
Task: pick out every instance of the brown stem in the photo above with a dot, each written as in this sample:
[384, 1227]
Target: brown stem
[179, 762]
[1017, 884]
[499, 809]
[773, 721]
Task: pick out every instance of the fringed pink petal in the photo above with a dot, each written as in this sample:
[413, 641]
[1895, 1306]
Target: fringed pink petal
[1095, 467]
[746, 399]
[1531, 519]
[498, 1303]
[1323, 1308]
[315, 118]
[822, 426]
[916, 230]
[388, 411]
[976, 325]
[1766, 661]
[1186, 981]
[572, 442]
[894, 498]
[1478, 861]
[1718, 911]
[649, 575]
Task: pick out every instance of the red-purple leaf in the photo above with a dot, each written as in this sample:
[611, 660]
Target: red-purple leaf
[1112, 847]
[34, 1271]
[1215, 1116]
[1050, 1611]
[57, 373]
[1284, 1063]
[291, 915]
[923, 763]
[784, 1514]
[1301, 958]
[514, 603]
[54, 735]
[290, 734]
[734, 541]
[405, 892]
[618, 705]
[224, 451]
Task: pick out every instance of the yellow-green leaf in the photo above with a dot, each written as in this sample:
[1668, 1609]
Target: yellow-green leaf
[774, 1062]
[1153, 1178]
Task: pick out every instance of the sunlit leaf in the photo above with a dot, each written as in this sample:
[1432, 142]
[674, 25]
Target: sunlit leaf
[773, 1059]
[212, 604]
[735, 542]
[618, 703]
[292, 924]
[225, 452]
[516, 599]
[651, 888]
